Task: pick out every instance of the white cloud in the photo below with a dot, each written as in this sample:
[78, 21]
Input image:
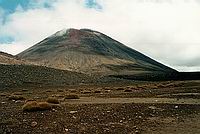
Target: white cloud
[13, 48]
[166, 30]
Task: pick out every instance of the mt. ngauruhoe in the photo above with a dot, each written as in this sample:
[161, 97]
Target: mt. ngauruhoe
[90, 52]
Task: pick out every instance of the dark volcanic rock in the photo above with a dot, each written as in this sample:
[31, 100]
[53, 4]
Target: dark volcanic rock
[30, 75]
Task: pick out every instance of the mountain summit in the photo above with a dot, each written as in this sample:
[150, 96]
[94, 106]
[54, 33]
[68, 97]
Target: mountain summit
[90, 52]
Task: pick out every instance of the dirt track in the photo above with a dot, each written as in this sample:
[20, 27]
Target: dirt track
[94, 100]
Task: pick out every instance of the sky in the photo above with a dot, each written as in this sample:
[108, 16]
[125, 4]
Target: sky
[165, 30]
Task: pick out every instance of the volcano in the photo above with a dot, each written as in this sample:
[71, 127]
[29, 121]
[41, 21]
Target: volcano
[90, 52]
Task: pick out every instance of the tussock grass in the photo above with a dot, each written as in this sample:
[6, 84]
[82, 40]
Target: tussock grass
[72, 96]
[32, 106]
[52, 100]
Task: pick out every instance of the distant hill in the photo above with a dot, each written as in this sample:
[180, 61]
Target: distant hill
[90, 52]
[9, 59]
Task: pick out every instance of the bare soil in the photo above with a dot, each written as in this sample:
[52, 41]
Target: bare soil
[170, 107]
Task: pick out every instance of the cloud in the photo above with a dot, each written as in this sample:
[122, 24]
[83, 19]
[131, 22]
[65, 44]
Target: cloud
[166, 30]
[93, 4]
[13, 48]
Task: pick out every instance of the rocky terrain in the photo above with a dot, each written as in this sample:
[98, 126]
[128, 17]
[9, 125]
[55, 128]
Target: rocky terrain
[137, 108]
[31, 76]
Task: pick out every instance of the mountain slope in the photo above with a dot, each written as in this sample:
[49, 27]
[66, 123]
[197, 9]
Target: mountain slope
[9, 59]
[90, 52]
[31, 76]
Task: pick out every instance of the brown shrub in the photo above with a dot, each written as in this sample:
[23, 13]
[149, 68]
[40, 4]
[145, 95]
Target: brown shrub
[16, 97]
[27, 100]
[53, 100]
[44, 105]
[31, 106]
[72, 96]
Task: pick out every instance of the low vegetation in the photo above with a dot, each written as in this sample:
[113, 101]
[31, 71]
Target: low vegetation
[72, 96]
[31, 106]
[53, 100]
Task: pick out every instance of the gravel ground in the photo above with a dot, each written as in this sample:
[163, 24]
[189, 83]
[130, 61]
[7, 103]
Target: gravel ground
[110, 118]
